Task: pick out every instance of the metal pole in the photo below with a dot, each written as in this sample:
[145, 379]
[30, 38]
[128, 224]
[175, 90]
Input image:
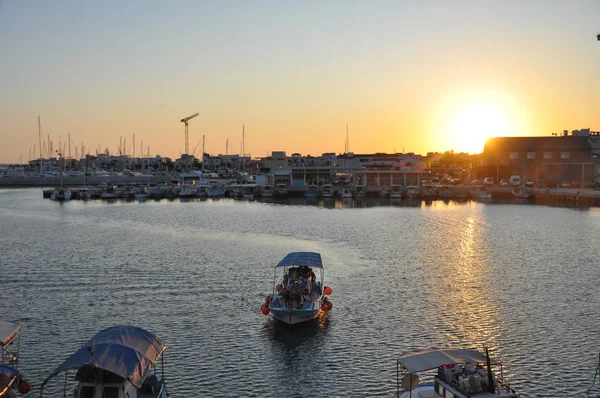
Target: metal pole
[186, 138]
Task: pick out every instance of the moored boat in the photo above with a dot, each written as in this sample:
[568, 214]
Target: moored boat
[299, 295]
[523, 193]
[480, 193]
[266, 191]
[61, 195]
[346, 193]
[327, 191]
[11, 380]
[282, 190]
[461, 373]
[117, 362]
[396, 192]
[312, 192]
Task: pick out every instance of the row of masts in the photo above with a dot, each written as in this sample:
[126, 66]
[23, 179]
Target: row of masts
[47, 151]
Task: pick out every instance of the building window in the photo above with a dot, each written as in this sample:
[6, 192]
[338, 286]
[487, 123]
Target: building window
[530, 155]
[564, 155]
[513, 155]
[547, 155]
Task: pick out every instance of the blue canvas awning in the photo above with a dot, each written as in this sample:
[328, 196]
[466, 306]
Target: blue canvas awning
[127, 351]
[301, 258]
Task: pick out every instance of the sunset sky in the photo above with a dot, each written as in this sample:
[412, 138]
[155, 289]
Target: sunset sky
[416, 76]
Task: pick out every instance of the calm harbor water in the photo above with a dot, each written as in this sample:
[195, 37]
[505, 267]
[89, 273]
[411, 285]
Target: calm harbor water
[521, 279]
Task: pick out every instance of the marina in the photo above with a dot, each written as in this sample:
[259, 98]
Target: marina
[399, 286]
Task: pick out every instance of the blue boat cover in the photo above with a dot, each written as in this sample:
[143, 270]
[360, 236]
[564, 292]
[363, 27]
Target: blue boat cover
[127, 351]
[301, 258]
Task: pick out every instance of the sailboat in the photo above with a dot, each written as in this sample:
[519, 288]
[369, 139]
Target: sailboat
[143, 193]
[61, 194]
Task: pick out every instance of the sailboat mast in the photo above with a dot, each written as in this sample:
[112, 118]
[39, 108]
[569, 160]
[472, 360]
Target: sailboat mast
[203, 152]
[40, 138]
[70, 151]
[347, 141]
[243, 149]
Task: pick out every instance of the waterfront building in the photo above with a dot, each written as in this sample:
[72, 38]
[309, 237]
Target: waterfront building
[549, 159]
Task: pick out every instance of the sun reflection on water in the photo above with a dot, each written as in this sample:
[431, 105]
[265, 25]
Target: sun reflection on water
[466, 316]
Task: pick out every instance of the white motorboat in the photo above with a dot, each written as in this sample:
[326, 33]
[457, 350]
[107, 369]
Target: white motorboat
[141, 194]
[117, 362]
[327, 191]
[312, 192]
[61, 195]
[249, 191]
[384, 194]
[299, 295]
[523, 193]
[396, 192]
[459, 373]
[282, 190]
[480, 193]
[359, 192]
[413, 191]
[266, 191]
[346, 193]
[188, 191]
[11, 380]
[214, 191]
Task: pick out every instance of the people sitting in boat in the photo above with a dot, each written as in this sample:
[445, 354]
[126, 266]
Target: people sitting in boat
[303, 282]
[306, 298]
[470, 369]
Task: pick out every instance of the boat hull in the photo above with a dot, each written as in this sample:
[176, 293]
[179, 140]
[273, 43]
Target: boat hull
[295, 317]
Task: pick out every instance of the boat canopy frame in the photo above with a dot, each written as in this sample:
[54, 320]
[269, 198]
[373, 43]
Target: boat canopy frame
[425, 360]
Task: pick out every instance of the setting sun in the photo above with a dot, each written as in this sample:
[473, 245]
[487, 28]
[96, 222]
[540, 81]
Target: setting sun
[477, 122]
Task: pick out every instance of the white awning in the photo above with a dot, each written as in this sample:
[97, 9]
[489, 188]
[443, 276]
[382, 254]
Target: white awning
[431, 359]
[8, 331]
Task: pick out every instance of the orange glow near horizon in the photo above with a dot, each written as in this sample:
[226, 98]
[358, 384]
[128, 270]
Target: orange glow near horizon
[469, 118]
[477, 122]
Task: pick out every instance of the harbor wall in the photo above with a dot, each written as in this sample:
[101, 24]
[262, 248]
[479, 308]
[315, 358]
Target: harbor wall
[26, 181]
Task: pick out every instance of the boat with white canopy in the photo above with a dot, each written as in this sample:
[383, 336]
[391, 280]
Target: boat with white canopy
[118, 362]
[11, 380]
[299, 295]
[461, 373]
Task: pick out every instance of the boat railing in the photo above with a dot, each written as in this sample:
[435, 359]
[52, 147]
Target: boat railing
[458, 378]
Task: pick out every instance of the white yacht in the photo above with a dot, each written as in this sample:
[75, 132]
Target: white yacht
[346, 193]
[188, 191]
[458, 373]
[479, 193]
[327, 191]
[249, 191]
[266, 191]
[282, 190]
[413, 191]
[396, 192]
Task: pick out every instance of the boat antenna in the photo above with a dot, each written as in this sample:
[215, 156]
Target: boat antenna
[491, 387]
[597, 369]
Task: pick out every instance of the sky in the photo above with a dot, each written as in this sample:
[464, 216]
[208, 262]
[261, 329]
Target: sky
[405, 76]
